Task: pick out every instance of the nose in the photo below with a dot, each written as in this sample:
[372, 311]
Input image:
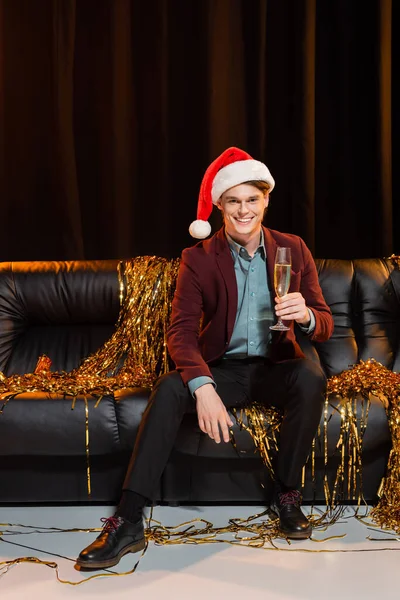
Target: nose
[243, 209]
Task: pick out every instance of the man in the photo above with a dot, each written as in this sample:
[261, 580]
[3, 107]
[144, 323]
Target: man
[225, 352]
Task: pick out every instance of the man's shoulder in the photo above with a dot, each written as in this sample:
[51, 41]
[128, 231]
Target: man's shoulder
[280, 237]
[203, 248]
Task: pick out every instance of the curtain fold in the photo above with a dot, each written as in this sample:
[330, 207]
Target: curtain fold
[63, 168]
[385, 122]
[2, 137]
[225, 91]
[123, 150]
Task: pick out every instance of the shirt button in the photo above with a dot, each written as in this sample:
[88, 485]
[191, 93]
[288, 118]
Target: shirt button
[251, 318]
[251, 343]
[252, 294]
[252, 269]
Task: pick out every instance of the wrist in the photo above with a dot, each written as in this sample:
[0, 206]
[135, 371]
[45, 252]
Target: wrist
[203, 390]
[305, 322]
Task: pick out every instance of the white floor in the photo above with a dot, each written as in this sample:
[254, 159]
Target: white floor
[344, 568]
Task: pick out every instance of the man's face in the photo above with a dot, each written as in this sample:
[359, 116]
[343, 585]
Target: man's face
[243, 209]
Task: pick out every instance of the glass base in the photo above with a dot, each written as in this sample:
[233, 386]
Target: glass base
[279, 327]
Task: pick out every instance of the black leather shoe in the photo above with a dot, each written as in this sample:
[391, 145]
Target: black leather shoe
[117, 539]
[292, 522]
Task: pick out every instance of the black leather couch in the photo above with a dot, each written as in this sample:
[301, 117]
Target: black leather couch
[66, 310]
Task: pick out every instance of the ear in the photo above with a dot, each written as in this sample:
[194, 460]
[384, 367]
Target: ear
[266, 200]
[219, 205]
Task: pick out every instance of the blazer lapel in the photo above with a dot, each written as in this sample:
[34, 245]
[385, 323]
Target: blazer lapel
[270, 248]
[226, 267]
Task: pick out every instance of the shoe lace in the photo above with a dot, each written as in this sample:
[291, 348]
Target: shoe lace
[111, 523]
[292, 497]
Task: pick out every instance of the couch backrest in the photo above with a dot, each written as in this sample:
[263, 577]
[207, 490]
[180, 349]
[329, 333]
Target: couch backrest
[65, 309]
[364, 296]
[68, 309]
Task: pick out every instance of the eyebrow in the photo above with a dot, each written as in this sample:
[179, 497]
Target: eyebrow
[236, 198]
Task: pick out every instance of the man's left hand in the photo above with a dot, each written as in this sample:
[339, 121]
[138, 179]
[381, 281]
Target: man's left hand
[293, 307]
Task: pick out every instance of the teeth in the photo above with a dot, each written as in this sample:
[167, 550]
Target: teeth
[243, 220]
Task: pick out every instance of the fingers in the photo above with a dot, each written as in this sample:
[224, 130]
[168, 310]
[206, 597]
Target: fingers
[293, 299]
[224, 424]
[221, 427]
[214, 428]
[291, 306]
[206, 427]
[215, 432]
[225, 431]
[212, 415]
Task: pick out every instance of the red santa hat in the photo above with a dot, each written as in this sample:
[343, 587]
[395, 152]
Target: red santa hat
[232, 167]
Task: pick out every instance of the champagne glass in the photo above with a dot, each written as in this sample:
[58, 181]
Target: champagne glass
[283, 265]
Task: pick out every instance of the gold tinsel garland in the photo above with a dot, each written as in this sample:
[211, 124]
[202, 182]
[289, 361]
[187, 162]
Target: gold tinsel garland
[353, 389]
[368, 379]
[136, 353]
[263, 425]
[395, 258]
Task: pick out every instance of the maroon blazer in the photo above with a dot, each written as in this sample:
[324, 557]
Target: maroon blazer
[205, 302]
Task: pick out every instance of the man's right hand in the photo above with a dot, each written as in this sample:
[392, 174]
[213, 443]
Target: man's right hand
[212, 413]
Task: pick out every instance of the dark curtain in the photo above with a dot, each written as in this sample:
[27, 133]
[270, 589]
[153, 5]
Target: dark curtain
[111, 110]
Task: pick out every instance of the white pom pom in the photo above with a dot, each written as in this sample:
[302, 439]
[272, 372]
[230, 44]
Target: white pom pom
[200, 229]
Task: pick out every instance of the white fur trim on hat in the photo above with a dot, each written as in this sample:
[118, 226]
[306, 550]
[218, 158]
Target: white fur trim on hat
[240, 172]
[200, 229]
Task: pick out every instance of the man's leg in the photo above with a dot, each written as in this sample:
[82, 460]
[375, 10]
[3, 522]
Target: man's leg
[168, 403]
[124, 532]
[297, 387]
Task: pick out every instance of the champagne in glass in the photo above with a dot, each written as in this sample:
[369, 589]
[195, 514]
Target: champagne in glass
[282, 268]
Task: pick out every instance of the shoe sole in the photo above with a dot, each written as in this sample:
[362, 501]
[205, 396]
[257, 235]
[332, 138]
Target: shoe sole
[297, 535]
[104, 564]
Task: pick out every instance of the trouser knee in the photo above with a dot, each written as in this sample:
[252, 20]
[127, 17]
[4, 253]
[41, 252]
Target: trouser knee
[310, 382]
[169, 393]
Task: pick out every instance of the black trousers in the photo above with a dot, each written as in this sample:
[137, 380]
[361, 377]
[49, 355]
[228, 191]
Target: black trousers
[297, 387]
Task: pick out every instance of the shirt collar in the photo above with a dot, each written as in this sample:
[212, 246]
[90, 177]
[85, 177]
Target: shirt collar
[235, 247]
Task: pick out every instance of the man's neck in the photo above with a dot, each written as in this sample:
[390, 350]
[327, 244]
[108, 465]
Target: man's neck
[250, 243]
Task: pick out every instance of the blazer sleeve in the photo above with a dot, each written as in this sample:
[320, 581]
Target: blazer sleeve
[184, 329]
[312, 293]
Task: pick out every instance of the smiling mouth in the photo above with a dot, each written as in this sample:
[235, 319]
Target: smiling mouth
[243, 221]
